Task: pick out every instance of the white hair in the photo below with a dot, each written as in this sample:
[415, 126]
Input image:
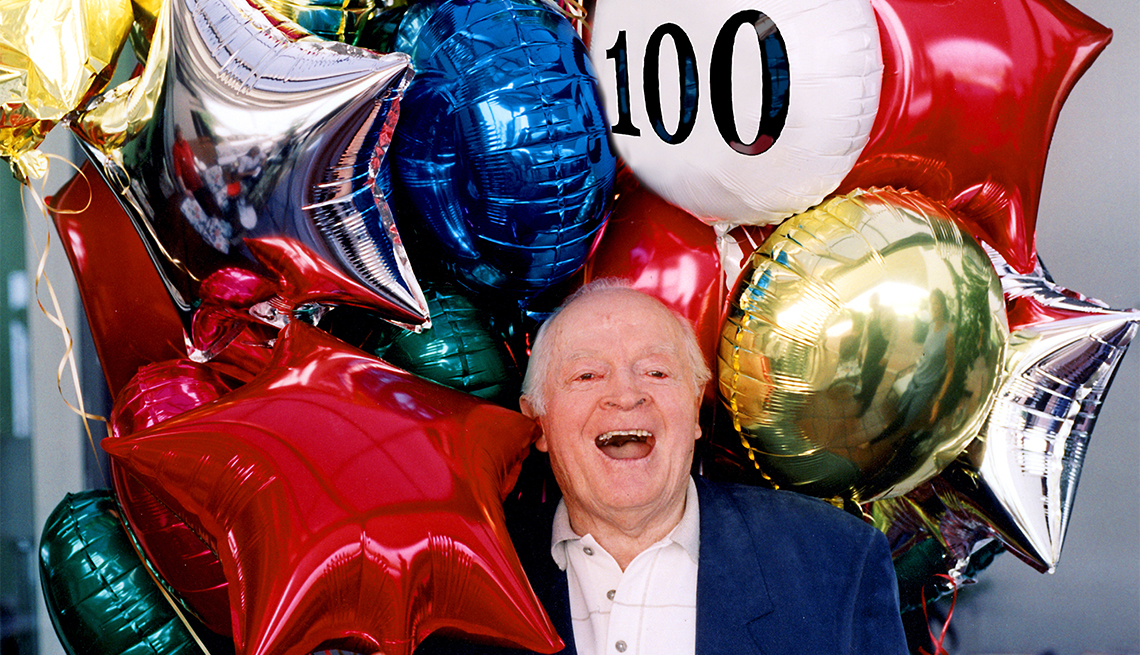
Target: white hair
[538, 368]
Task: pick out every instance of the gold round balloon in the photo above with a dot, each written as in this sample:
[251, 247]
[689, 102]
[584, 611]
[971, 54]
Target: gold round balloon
[862, 347]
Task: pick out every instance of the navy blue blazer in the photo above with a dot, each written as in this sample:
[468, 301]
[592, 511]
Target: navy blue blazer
[778, 574]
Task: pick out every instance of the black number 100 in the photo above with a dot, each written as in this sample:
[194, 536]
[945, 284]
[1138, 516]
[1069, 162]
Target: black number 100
[776, 83]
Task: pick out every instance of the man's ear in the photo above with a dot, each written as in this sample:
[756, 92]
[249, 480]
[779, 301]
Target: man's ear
[528, 411]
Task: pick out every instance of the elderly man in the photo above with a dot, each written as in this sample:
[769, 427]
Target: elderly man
[639, 557]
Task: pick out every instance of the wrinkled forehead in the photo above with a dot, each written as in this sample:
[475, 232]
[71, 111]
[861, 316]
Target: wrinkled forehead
[664, 352]
[611, 319]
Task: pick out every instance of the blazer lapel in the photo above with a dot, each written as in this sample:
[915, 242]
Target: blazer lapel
[731, 589]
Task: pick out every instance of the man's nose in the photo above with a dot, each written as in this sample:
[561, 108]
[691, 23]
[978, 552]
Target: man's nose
[625, 393]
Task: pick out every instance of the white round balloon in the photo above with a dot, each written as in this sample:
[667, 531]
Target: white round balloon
[739, 111]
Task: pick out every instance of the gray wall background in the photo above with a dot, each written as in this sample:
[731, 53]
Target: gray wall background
[1088, 235]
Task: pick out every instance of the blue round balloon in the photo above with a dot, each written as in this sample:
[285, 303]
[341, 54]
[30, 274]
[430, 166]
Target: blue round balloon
[501, 156]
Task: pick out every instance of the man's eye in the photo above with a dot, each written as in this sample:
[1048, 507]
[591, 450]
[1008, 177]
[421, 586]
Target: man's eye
[585, 376]
[658, 374]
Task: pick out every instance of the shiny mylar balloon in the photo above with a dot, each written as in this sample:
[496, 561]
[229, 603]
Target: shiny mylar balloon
[922, 534]
[98, 593]
[117, 280]
[739, 112]
[501, 150]
[350, 504]
[54, 55]
[162, 391]
[1016, 483]
[461, 350]
[1020, 480]
[191, 570]
[971, 93]
[862, 347]
[1033, 298]
[337, 21]
[264, 134]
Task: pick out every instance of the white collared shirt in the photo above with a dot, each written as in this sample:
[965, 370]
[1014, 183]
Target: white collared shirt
[648, 609]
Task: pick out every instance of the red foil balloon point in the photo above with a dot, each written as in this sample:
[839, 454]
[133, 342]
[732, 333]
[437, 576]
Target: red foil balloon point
[117, 280]
[350, 503]
[971, 93]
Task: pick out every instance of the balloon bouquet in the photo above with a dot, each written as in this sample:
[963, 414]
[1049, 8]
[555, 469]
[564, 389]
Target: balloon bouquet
[341, 225]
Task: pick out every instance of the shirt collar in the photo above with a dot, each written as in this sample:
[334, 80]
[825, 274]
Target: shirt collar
[686, 534]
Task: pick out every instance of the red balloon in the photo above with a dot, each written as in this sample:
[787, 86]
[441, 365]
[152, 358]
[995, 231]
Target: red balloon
[970, 97]
[227, 295]
[157, 393]
[296, 276]
[351, 504]
[667, 253]
[117, 280]
[163, 390]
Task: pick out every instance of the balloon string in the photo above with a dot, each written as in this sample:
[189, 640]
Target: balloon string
[576, 12]
[938, 649]
[67, 361]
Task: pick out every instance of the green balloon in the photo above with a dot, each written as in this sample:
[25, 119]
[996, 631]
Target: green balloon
[462, 350]
[99, 595]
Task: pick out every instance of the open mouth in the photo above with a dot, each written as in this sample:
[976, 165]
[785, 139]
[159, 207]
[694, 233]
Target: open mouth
[625, 444]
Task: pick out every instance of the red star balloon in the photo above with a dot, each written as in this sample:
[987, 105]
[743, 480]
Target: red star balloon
[351, 504]
[970, 96]
[116, 279]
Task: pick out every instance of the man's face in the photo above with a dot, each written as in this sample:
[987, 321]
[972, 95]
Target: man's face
[620, 421]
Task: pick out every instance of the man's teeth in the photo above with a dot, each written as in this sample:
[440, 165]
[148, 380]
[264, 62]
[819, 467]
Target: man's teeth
[621, 437]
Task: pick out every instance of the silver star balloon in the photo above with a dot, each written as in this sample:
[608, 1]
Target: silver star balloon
[261, 133]
[1020, 476]
[1017, 481]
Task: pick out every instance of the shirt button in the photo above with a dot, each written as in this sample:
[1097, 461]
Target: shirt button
[588, 550]
[611, 593]
[620, 646]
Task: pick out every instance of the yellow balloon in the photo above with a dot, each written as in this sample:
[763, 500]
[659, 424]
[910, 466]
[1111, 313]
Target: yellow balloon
[54, 55]
[862, 347]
